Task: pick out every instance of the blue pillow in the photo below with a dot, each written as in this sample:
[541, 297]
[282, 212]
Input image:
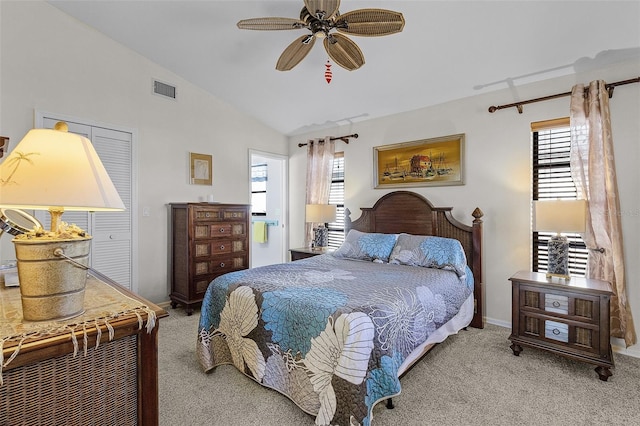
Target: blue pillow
[366, 246]
[430, 252]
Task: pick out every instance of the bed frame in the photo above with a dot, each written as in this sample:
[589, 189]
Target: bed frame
[411, 213]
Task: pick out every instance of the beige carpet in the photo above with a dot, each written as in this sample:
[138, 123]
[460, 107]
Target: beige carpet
[471, 379]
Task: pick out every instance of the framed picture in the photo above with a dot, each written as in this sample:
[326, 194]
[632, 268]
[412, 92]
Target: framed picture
[201, 169]
[425, 162]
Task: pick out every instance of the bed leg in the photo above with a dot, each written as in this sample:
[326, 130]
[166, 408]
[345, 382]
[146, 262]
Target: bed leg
[390, 405]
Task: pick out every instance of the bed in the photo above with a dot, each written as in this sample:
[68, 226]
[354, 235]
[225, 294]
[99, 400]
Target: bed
[334, 333]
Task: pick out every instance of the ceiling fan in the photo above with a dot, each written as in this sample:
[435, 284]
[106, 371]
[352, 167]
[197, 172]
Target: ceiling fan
[321, 17]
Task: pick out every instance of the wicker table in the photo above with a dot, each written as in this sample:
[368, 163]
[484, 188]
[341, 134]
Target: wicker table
[98, 368]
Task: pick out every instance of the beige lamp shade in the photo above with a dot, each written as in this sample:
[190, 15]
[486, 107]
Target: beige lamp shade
[55, 168]
[320, 213]
[560, 215]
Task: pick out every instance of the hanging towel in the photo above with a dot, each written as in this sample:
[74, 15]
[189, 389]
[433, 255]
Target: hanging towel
[260, 232]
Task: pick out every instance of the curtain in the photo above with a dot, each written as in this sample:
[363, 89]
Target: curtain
[319, 168]
[593, 171]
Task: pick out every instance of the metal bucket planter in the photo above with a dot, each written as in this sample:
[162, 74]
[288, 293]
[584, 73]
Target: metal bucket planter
[52, 275]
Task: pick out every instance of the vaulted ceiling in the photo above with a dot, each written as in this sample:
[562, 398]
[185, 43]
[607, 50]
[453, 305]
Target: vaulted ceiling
[447, 50]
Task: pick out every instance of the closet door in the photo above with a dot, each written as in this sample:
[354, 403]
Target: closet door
[112, 247]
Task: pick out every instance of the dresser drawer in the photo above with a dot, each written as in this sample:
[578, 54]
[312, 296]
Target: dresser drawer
[205, 231]
[213, 248]
[220, 265]
[556, 303]
[207, 214]
[234, 214]
[556, 331]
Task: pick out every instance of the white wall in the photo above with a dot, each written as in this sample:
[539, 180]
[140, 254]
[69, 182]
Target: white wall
[498, 167]
[51, 62]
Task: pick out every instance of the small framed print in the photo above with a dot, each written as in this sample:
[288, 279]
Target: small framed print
[201, 166]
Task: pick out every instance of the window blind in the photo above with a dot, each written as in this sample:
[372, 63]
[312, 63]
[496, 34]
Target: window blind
[336, 196]
[551, 179]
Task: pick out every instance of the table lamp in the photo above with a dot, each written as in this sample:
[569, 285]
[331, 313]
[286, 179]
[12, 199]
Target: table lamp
[54, 170]
[321, 214]
[559, 216]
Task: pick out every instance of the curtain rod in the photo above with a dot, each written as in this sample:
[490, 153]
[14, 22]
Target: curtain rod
[518, 105]
[344, 139]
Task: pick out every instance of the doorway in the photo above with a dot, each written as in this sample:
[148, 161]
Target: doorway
[268, 179]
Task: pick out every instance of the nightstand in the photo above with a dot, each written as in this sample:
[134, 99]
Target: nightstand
[304, 252]
[61, 375]
[568, 318]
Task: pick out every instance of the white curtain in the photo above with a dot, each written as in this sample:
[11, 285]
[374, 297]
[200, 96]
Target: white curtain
[593, 171]
[319, 168]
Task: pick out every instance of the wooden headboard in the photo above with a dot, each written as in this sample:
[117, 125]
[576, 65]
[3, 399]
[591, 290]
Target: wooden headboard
[411, 213]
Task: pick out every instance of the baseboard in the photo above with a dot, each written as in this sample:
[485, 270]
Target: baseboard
[617, 345]
[505, 324]
[165, 305]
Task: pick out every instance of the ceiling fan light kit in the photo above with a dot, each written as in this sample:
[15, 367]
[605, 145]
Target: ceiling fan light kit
[322, 22]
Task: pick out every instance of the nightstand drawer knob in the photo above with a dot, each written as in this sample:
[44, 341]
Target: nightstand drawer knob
[222, 247]
[221, 230]
[222, 264]
[556, 331]
[556, 304]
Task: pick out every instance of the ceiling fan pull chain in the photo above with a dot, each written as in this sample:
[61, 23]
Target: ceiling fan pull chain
[327, 72]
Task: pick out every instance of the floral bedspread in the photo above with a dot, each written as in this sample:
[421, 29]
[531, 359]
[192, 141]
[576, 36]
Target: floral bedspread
[328, 333]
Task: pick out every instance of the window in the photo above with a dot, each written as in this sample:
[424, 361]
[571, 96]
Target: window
[336, 196]
[259, 190]
[552, 180]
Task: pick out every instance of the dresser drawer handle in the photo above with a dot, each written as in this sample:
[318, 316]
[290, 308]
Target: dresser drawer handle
[222, 264]
[556, 304]
[555, 331]
[222, 247]
[207, 214]
[221, 230]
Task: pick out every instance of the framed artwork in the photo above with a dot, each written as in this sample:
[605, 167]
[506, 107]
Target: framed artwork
[425, 162]
[201, 169]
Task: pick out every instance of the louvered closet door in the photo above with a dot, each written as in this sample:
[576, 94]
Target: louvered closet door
[112, 244]
[112, 231]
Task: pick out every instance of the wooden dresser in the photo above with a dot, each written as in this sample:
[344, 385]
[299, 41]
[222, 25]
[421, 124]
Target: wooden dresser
[568, 318]
[99, 368]
[207, 240]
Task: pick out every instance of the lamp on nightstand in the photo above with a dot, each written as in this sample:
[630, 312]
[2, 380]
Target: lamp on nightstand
[54, 170]
[559, 216]
[321, 214]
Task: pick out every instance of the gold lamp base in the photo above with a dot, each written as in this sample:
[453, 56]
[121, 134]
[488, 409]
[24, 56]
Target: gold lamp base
[51, 286]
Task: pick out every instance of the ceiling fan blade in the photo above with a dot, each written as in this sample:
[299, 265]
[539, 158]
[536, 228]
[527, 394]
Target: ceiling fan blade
[322, 9]
[370, 22]
[344, 52]
[270, 24]
[295, 52]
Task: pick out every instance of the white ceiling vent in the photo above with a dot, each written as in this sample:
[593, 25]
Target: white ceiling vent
[164, 89]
